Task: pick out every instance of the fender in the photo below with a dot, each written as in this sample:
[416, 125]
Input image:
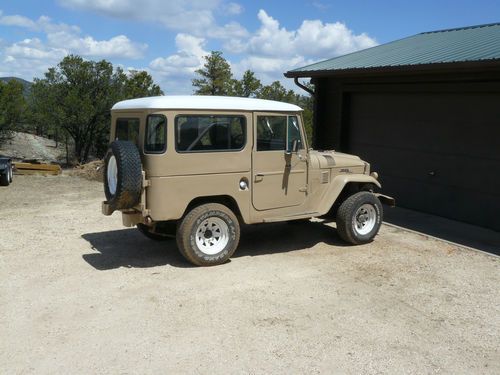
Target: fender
[337, 185]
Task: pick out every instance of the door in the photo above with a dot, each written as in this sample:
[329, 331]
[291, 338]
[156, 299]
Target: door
[435, 152]
[279, 173]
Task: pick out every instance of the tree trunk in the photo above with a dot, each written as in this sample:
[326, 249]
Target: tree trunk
[78, 149]
[67, 148]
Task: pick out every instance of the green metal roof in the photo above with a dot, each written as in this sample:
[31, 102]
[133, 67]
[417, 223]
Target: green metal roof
[467, 44]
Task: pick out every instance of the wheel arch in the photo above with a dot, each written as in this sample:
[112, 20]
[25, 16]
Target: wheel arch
[225, 200]
[343, 186]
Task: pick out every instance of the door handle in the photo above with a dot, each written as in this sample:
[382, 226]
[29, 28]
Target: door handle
[258, 177]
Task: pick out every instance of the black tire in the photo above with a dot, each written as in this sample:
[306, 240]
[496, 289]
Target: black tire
[127, 192]
[197, 233]
[148, 232]
[359, 218]
[4, 178]
[11, 170]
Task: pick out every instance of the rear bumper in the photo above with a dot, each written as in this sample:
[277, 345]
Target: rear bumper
[139, 209]
[106, 209]
[130, 218]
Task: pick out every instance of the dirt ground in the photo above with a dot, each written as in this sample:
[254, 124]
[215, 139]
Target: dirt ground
[81, 294]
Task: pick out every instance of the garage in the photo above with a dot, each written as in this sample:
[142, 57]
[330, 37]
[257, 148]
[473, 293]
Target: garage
[425, 112]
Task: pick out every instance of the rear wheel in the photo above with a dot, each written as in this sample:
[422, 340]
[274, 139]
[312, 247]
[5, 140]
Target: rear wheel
[359, 218]
[208, 235]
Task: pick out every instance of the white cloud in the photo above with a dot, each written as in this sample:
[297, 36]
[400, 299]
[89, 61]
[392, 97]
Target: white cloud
[313, 38]
[316, 39]
[119, 46]
[17, 20]
[273, 50]
[231, 30]
[320, 5]
[233, 9]
[32, 56]
[28, 58]
[175, 71]
[195, 17]
[188, 58]
[68, 38]
[33, 49]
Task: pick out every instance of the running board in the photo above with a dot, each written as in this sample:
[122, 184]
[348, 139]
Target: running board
[304, 215]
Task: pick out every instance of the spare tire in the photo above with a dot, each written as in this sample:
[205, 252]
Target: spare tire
[122, 175]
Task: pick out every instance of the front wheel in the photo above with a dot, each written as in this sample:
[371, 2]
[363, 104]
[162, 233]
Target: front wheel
[208, 235]
[359, 218]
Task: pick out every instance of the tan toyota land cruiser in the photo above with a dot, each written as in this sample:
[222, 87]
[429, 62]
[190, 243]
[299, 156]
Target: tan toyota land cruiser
[197, 167]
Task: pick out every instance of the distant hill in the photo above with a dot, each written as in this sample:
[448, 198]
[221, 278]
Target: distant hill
[26, 84]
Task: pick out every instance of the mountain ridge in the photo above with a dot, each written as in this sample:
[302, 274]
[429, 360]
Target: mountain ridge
[26, 84]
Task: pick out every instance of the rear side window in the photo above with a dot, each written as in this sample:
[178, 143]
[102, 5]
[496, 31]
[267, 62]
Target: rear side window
[127, 129]
[155, 140]
[208, 133]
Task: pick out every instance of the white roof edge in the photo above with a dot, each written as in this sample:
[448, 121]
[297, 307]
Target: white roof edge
[205, 103]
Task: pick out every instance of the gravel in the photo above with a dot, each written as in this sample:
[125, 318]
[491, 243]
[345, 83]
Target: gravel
[81, 294]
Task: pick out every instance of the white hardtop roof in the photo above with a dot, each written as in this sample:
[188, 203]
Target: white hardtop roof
[205, 103]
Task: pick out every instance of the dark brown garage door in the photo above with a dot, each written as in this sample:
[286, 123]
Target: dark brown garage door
[435, 152]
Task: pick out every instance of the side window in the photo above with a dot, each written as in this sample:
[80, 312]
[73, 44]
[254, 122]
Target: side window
[127, 129]
[294, 133]
[198, 133]
[271, 133]
[155, 140]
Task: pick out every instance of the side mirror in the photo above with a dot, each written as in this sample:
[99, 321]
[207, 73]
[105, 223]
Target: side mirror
[294, 148]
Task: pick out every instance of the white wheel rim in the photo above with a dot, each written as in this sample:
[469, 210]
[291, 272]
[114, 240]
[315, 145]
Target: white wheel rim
[212, 235]
[112, 174]
[364, 219]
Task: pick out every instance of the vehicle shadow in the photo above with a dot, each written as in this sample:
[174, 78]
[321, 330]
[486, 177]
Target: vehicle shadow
[129, 248]
[262, 239]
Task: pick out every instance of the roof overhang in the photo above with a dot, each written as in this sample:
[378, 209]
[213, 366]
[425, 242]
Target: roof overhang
[462, 66]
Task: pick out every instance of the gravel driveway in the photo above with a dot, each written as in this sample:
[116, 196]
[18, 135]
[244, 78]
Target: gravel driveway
[80, 294]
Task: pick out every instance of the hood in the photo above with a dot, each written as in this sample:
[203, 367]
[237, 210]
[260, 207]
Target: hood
[331, 159]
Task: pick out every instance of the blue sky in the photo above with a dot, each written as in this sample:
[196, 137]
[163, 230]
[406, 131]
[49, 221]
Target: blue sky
[170, 38]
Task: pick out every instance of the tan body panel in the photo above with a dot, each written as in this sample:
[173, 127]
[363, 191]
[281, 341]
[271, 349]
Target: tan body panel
[168, 197]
